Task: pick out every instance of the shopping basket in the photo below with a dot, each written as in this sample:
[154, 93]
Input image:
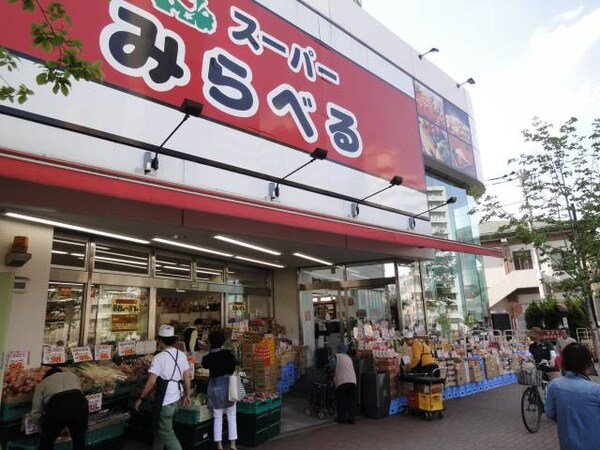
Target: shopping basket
[530, 377]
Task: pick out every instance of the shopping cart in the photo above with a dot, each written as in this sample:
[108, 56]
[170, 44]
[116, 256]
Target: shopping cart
[322, 400]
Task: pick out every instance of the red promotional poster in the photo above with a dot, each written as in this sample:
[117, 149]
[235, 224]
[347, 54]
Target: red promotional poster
[251, 69]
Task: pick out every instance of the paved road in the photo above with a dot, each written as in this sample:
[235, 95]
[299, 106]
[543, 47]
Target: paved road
[487, 420]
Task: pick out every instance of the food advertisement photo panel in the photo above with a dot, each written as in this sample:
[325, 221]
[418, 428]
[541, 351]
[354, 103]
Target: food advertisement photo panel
[252, 70]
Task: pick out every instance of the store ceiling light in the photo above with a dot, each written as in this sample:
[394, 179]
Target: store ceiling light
[59, 252]
[126, 261]
[68, 226]
[312, 258]
[258, 261]
[209, 272]
[191, 247]
[247, 245]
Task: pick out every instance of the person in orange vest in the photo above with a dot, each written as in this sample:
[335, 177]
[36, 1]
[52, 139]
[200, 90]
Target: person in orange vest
[421, 360]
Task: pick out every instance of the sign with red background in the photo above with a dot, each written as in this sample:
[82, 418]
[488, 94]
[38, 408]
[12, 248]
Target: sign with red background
[169, 53]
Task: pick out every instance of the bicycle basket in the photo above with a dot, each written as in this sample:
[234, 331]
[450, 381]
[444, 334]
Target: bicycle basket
[529, 378]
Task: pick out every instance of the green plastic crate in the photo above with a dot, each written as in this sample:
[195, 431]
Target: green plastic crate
[274, 430]
[253, 438]
[14, 411]
[275, 403]
[253, 408]
[105, 433]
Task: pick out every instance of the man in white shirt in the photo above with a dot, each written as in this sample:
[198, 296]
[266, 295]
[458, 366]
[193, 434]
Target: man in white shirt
[170, 373]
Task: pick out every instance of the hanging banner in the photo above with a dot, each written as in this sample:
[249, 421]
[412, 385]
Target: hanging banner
[124, 322]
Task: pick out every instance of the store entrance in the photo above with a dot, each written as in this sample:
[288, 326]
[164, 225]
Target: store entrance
[181, 308]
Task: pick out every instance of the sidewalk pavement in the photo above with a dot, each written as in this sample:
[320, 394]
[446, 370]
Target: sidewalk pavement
[488, 420]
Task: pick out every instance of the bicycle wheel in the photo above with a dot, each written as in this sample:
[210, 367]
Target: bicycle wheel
[531, 409]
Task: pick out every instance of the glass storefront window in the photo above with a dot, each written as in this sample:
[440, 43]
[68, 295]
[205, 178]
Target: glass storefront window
[170, 266]
[118, 257]
[411, 295]
[69, 252]
[118, 313]
[63, 313]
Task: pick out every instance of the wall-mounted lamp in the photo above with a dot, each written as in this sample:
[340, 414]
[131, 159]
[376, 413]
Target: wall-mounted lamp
[431, 50]
[190, 108]
[469, 81]
[395, 181]
[412, 220]
[318, 153]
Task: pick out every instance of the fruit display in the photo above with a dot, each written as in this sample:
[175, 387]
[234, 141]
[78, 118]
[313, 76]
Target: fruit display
[257, 397]
[135, 368]
[22, 383]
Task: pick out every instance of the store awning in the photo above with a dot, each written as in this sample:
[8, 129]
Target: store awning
[114, 198]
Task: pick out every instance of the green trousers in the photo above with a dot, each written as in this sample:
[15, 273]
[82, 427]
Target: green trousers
[164, 437]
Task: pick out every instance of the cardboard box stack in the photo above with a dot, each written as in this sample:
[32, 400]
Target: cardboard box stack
[391, 367]
[492, 367]
[462, 372]
[449, 370]
[266, 371]
[303, 360]
[475, 370]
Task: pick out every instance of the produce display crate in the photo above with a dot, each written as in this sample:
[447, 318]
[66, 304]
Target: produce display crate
[252, 438]
[14, 411]
[193, 415]
[253, 421]
[11, 430]
[274, 430]
[98, 435]
[253, 408]
[431, 402]
[274, 403]
[274, 416]
[198, 436]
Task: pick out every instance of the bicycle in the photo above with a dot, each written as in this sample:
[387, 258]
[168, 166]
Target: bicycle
[533, 398]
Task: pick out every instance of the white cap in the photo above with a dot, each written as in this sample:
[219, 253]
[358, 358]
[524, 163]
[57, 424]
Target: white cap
[166, 331]
[408, 334]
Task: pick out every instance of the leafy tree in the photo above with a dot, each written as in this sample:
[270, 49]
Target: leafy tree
[578, 316]
[52, 36]
[561, 187]
[534, 316]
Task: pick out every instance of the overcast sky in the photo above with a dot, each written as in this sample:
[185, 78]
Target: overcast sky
[528, 58]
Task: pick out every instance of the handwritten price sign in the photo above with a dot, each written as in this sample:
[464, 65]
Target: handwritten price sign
[16, 361]
[81, 354]
[103, 352]
[53, 354]
[126, 348]
[94, 402]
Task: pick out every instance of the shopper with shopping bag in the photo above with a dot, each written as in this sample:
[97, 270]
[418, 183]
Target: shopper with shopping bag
[221, 365]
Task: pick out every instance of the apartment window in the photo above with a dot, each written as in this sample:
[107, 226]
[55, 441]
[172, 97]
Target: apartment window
[522, 260]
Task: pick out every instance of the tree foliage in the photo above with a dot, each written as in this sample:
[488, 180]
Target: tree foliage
[561, 188]
[52, 36]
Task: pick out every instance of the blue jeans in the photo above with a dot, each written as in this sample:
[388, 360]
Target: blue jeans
[164, 437]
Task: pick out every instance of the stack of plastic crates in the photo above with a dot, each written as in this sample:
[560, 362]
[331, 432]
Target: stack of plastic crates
[287, 378]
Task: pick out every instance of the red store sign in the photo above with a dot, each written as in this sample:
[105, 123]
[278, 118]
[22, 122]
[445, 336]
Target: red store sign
[252, 70]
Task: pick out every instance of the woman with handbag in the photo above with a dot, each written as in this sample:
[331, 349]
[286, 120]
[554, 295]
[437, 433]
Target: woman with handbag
[221, 364]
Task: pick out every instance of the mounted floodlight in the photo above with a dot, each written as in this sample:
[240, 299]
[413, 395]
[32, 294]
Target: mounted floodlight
[431, 50]
[412, 222]
[190, 108]
[469, 81]
[395, 181]
[318, 153]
